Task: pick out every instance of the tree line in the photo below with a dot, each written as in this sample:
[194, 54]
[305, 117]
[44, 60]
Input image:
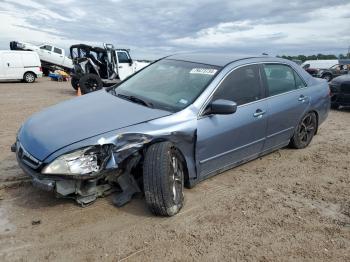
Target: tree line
[315, 57]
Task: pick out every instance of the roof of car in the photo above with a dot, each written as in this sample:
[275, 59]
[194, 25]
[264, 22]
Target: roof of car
[217, 59]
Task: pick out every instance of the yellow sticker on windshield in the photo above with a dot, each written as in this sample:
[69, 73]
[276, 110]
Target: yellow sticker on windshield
[203, 71]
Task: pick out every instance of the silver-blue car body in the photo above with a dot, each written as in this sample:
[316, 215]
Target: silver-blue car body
[244, 108]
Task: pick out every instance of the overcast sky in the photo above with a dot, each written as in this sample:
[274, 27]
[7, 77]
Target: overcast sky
[154, 28]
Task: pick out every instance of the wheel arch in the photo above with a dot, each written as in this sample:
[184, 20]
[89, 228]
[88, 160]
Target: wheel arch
[35, 75]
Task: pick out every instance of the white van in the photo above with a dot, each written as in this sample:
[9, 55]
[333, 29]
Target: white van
[319, 64]
[20, 65]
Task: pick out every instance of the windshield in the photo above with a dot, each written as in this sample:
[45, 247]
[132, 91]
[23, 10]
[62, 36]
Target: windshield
[167, 84]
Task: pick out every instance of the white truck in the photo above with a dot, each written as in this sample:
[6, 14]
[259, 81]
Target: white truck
[20, 65]
[51, 57]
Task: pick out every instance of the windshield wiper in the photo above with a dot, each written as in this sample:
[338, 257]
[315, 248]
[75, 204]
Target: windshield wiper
[136, 100]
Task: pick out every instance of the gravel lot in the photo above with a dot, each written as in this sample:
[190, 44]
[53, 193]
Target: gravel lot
[291, 205]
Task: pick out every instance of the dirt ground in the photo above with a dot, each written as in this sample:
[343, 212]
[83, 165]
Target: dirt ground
[291, 205]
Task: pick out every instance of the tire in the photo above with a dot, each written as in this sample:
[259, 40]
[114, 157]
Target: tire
[163, 185]
[90, 83]
[305, 131]
[29, 77]
[334, 105]
[75, 83]
[327, 77]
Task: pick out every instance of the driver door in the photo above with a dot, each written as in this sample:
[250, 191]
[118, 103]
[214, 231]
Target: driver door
[224, 141]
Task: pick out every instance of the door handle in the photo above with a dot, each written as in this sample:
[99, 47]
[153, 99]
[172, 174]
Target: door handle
[259, 113]
[120, 66]
[302, 98]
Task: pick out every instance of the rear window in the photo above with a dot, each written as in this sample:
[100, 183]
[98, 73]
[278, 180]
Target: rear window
[281, 79]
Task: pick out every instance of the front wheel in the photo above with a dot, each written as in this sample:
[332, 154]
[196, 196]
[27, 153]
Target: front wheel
[305, 131]
[163, 179]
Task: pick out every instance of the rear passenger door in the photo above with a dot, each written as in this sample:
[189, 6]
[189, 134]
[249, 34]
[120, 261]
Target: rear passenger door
[287, 102]
[227, 140]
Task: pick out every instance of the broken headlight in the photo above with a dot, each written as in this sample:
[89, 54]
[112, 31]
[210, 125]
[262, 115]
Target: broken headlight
[79, 162]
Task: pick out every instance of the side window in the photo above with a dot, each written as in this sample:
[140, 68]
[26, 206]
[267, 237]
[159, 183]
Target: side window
[57, 50]
[280, 79]
[123, 57]
[241, 86]
[46, 47]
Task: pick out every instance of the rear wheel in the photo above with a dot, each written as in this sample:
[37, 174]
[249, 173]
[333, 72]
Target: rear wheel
[305, 131]
[90, 83]
[163, 178]
[29, 77]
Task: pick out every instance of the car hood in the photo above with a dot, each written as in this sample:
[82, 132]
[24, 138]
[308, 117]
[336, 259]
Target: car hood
[78, 119]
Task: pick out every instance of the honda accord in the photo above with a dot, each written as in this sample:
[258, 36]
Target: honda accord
[180, 120]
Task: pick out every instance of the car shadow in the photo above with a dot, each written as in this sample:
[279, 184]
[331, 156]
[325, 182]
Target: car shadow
[12, 82]
[27, 196]
[136, 207]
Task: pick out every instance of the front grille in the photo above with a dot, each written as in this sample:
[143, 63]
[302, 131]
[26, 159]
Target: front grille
[345, 88]
[27, 158]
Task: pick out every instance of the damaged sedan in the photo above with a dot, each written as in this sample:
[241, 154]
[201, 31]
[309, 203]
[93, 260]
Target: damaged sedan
[180, 120]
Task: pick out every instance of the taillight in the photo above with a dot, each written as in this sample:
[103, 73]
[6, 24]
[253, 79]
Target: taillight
[40, 69]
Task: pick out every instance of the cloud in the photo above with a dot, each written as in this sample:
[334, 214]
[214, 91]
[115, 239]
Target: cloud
[156, 28]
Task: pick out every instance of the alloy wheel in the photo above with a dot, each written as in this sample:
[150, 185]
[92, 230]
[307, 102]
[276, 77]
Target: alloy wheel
[176, 180]
[307, 128]
[29, 78]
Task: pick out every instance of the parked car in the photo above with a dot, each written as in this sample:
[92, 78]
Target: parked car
[52, 57]
[334, 71]
[95, 67]
[18, 65]
[340, 91]
[177, 122]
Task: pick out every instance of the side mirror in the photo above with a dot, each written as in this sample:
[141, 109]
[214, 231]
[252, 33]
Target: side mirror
[130, 61]
[221, 107]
